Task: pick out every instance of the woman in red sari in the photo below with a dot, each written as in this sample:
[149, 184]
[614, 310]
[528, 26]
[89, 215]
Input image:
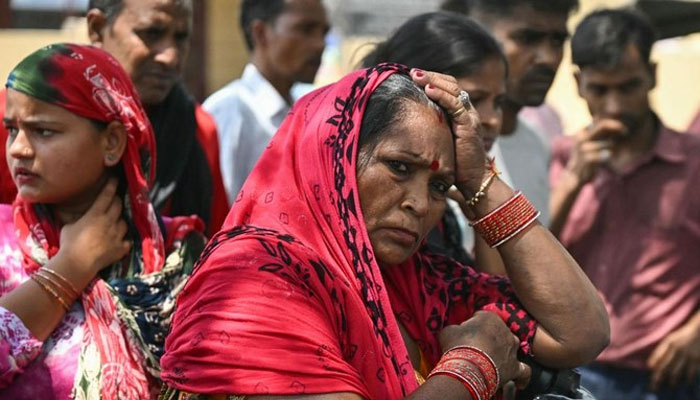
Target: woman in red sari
[318, 285]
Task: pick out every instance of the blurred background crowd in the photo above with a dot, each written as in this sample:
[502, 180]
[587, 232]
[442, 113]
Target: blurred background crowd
[218, 53]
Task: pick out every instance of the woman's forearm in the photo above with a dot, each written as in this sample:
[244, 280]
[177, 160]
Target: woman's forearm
[39, 309]
[562, 200]
[553, 289]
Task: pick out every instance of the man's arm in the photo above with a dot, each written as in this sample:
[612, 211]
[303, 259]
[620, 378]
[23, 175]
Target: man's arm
[592, 148]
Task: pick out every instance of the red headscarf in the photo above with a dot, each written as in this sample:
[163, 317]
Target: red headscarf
[288, 298]
[90, 83]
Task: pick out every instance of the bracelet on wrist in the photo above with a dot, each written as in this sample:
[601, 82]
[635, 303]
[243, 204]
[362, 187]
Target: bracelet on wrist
[494, 172]
[473, 368]
[44, 283]
[507, 220]
[65, 284]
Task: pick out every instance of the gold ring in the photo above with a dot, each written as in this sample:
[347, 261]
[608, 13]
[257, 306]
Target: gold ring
[458, 112]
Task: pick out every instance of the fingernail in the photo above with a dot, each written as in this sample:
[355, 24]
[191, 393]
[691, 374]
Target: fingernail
[419, 73]
[430, 86]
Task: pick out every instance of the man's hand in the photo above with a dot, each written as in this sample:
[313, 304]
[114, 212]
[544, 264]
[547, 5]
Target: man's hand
[594, 147]
[677, 358]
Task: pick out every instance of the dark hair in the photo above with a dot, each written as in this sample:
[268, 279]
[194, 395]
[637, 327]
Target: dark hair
[110, 8]
[601, 38]
[263, 10]
[386, 106]
[505, 7]
[442, 42]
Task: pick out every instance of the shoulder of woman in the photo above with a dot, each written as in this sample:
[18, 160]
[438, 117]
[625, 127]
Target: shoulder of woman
[7, 225]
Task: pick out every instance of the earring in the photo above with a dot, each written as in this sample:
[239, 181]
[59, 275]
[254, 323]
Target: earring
[110, 158]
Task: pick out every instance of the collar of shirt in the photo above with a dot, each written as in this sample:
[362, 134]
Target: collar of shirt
[669, 146]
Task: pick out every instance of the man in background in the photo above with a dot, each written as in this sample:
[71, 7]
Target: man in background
[286, 42]
[625, 204]
[150, 38]
[532, 33]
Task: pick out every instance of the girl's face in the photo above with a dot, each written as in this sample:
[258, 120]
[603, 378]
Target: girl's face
[55, 157]
[487, 90]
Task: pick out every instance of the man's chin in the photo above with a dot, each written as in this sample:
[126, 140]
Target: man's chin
[153, 97]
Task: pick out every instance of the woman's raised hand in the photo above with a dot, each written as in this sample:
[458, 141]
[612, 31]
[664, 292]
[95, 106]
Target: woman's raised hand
[96, 239]
[466, 127]
[487, 332]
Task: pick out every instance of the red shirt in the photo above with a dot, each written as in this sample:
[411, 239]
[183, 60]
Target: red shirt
[208, 139]
[636, 234]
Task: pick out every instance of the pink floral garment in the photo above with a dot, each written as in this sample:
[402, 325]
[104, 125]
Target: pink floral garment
[29, 368]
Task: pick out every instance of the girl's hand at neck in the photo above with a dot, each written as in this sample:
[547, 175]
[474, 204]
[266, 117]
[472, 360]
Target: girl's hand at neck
[93, 241]
[70, 211]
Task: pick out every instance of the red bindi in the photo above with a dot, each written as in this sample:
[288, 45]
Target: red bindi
[434, 165]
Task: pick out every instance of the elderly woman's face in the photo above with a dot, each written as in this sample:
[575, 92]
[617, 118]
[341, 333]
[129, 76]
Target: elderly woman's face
[403, 185]
[54, 156]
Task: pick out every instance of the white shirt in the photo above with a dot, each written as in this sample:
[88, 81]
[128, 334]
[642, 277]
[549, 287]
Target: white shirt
[247, 112]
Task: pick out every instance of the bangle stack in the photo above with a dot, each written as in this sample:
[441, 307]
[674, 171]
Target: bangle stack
[473, 368]
[57, 286]
[507, 220]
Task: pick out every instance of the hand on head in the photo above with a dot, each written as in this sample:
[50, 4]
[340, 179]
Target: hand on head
[487, 332]
[470, 156]
[97, 239]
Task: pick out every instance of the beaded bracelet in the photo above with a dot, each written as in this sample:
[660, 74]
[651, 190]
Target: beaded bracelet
[485, 184]
[507, 220]
[51, 291]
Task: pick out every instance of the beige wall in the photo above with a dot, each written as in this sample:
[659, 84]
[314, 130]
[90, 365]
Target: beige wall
[226, 51]
[19, 43]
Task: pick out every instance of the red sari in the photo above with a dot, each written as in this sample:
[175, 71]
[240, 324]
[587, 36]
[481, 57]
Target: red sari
[287, 299]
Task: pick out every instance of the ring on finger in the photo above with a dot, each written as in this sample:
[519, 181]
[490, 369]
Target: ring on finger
[457, 113]
[464, 98]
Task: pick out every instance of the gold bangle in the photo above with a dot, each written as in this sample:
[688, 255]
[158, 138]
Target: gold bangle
[49, 290]
[73, 291]
[66, 294]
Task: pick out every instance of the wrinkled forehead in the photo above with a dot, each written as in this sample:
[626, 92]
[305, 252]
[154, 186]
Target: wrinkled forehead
[421, 129]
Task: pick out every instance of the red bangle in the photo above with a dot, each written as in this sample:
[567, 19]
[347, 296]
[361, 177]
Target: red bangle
[507, 220]
[473, 368]
[472, 390]
[483, 361]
